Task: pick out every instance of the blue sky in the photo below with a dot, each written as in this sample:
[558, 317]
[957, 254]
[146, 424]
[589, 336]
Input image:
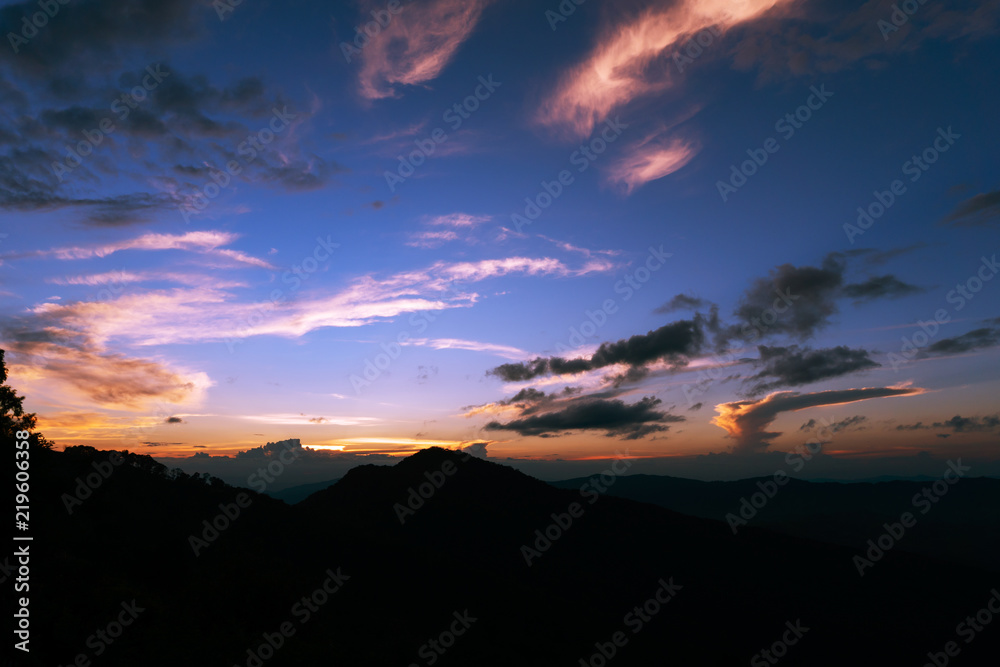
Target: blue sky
[144, 307]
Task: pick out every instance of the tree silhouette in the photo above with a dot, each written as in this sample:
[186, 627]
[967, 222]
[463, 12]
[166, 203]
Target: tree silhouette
[13, 418]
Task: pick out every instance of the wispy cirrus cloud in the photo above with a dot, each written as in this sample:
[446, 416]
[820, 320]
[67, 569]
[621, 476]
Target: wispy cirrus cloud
[622, 67]
[651, 159]
[205, 242]
[417, 45]
[505, 351]
[209, 312]
[462, 220]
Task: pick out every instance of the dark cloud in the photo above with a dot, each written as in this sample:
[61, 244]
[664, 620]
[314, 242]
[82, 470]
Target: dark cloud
[834, 427]
[976, 339]
[746, 421]
[92, 33]
[675, 343]
[682, 302]
[979, 210]
[173, 420]
[919, 426]
[880, 287]
[794, 366]
[792, 300]
[614, 417]
[960, 424]
[696, 407]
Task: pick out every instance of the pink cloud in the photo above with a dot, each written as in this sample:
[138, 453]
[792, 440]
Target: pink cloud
[416, 45]
[650, 160]
[207, 242]
[618, 69]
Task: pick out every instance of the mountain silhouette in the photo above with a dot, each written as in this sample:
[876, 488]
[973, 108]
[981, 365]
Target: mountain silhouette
[449, 559]
[962, 525]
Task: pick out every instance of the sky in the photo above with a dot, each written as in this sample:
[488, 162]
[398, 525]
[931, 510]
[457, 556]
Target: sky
[549, 231]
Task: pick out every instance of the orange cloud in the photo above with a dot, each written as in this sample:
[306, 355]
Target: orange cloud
[619, 69]
[108, 380]
[745, 421]
[417, 45]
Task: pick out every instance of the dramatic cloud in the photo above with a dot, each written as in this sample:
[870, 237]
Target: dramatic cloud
[615, 417]
[982, 209]
[794, 366]
[628, 61]
[650, 160]
[961, 424]
[880, 287]
[416, 45]
[674, 343]
[746, 421]
[977, 339]
[105, 379]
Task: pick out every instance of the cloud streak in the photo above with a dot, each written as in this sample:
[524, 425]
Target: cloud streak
[746, 421]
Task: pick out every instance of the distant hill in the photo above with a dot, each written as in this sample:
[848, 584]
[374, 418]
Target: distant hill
[962, 526]
[457, 563]
[296, 494]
